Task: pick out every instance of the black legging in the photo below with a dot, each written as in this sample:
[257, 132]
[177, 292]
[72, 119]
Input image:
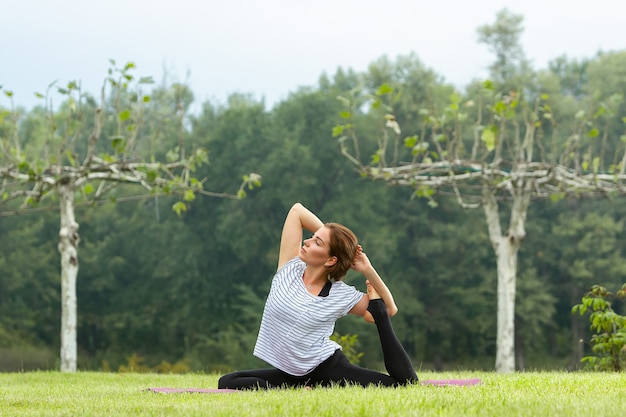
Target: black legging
[337, 369]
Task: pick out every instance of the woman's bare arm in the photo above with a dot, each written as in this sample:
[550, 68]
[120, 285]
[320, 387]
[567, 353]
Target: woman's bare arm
[298, 218]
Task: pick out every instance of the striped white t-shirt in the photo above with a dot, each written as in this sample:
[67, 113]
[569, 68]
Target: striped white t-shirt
[296, 325]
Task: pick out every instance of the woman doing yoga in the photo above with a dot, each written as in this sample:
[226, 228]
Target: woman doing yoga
[306, 297]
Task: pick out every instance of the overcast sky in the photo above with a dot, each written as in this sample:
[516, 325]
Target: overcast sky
[269, 48]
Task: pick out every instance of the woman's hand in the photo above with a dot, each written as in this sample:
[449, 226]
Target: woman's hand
[363, 265]
[361, 262]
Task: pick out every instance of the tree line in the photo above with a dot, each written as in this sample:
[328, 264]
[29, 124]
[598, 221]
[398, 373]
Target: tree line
[189, 289]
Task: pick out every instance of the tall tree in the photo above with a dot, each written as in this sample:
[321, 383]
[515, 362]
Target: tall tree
[513, 151]
[72, 164]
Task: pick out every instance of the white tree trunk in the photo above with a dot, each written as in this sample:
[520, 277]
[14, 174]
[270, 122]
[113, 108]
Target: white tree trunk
[505, 340]
[68, 248]
[506, 248]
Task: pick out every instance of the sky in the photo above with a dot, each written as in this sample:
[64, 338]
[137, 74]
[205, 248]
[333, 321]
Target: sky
[271, 48]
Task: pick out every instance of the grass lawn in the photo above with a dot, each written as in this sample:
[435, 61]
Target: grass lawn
[110, 394]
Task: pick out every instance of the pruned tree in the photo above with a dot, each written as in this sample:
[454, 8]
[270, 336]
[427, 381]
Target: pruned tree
[496, 148]
[69, 164]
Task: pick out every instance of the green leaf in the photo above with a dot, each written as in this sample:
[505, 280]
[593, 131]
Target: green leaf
[545, 96]
[179, 207]
[384, 89]
[88, 189]
[337, 130]
[202, 156]
[410, 141]
[189, 195]
[489, 138]
[488, 84]
[171, 155]
[146, 99]
[556, 197]
[118, 143]
[124, 115]
[623, 138]
[420, 148]
[345, 114]
[593, 133]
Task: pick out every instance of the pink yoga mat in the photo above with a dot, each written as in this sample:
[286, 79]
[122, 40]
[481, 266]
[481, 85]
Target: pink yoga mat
[451, 382]
[435, 382]
[192, 390]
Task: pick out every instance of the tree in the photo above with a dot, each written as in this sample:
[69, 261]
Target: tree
[69, 163]
[513, 151]
[503, 39]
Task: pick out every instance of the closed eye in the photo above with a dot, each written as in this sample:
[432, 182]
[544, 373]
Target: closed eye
[318, 241]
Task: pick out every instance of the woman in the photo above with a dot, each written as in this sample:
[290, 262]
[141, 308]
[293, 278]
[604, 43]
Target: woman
[307, 296]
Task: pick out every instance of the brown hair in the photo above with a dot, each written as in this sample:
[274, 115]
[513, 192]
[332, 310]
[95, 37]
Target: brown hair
[343, 245]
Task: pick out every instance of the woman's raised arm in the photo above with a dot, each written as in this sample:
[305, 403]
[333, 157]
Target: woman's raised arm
[298, 218]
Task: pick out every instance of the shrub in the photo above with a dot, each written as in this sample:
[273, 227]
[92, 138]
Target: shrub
[349, 343]
[609, 339]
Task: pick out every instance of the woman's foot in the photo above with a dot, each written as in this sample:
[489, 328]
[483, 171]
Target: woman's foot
[371, 291]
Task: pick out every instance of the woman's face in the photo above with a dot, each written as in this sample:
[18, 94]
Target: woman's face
[316, 249]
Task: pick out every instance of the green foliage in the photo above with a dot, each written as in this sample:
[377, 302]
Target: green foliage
[609, 338]
[349, 344]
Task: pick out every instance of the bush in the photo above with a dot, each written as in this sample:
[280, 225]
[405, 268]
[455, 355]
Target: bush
[609, 340]
[349, 344]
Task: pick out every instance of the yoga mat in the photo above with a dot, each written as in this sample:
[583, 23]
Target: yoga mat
[451, 382]
[435, 382]
[192, 390]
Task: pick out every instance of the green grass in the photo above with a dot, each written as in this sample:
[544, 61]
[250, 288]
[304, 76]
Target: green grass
[108, 394]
